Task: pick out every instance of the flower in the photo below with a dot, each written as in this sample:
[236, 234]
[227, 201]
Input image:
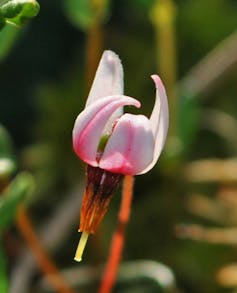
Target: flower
[112, 143]
[133, 143]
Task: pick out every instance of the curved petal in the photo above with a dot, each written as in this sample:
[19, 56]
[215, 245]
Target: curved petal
[130, 147]
[90, 123]
[108, 79]
[159, 120]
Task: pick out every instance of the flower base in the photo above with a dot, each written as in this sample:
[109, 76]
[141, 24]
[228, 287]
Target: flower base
[99, 190]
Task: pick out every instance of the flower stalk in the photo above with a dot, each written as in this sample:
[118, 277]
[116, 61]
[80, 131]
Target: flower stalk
[44, 261]
[118, 239]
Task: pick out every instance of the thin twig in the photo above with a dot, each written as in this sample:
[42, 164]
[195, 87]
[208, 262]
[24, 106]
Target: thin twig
[61, 222]
[226, 236]
[118, 237]
[44, 261]
[211, 69]
[212, 170]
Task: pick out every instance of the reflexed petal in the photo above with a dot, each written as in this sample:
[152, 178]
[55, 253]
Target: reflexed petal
[108, 80]
[130, 147]
[90, 124]
[159, 120]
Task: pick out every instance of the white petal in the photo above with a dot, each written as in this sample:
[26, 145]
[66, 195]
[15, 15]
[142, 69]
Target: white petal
[108, 79]
[159, 120]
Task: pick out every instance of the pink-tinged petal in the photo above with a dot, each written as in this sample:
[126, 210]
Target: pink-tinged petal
[130, 147]
[90, 123]
[159, 120]
[108, 79]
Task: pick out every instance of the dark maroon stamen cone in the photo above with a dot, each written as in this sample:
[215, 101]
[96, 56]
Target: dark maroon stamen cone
[100, 187]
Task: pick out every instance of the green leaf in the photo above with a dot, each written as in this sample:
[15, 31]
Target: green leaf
[13, 195]
[17, 12]
[3, 272]
[6, 148]
[12, 14]
[8, 36]
[85, 13]
[2, 21]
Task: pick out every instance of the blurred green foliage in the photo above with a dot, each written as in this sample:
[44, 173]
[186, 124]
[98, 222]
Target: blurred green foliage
[85, 14]
[7, 38]
[16, 13]
[6, 149]
[3, 272]
[189, 111]
[12, 193]
[201, 25]
[16, 192]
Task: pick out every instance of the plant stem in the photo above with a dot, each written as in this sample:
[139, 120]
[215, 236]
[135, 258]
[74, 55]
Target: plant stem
[45, 263]
[163, 18]
[117, 243]
[93, 51]
[94, 44]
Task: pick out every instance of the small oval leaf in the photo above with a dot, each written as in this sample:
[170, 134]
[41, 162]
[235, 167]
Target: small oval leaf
[13, 195]
[19, 11]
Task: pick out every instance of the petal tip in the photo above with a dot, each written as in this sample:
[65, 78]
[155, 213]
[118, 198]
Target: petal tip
[108, 78]
[110, 57]
[157, 80]
[137, 104]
